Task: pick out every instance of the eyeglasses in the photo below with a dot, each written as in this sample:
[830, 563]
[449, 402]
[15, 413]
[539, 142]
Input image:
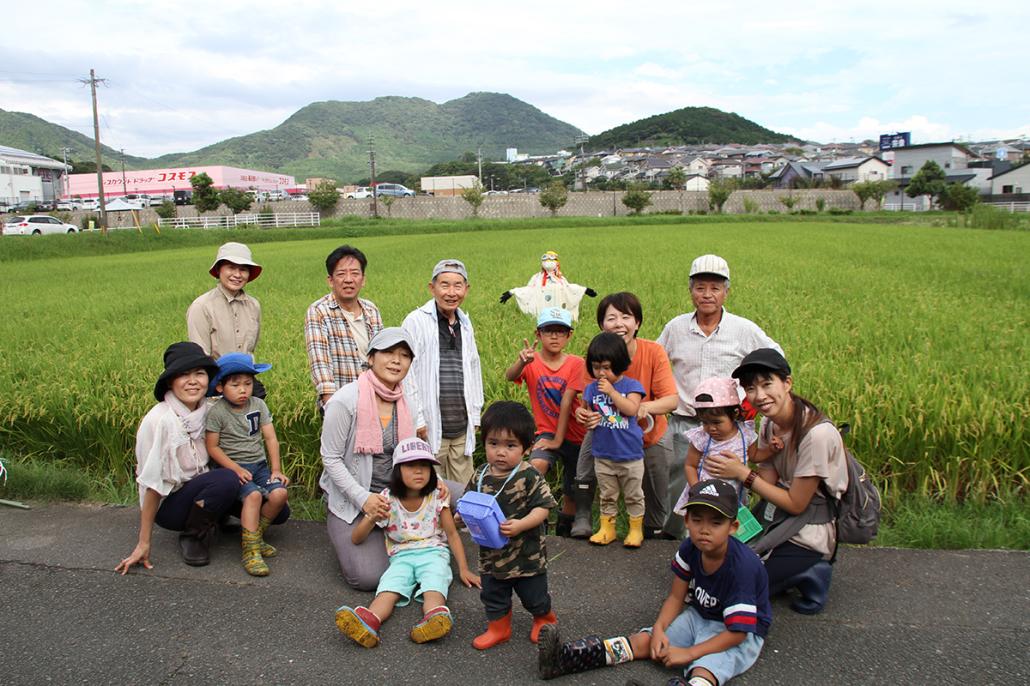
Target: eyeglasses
[554, 331]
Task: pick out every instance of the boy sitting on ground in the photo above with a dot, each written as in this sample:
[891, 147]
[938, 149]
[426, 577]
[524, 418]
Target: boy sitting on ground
[721, 632]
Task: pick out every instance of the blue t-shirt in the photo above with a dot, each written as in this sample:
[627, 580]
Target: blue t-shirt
[616, 438]
[737, 594]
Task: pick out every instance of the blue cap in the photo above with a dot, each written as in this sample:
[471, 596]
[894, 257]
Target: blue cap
[554, 315]
[237, 363]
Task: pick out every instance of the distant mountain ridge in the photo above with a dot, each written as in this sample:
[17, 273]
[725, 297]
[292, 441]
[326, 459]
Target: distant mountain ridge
[28, 132]
[687, 126]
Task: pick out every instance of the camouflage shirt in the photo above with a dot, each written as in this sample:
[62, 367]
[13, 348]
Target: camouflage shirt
[525, 554]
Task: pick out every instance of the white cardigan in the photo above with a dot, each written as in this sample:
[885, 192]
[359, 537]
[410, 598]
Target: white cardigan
[423, 328]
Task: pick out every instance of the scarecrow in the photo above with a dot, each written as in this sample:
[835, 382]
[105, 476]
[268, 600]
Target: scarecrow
[549, 288]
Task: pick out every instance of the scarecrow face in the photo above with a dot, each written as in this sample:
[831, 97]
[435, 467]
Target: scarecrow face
[549, 261]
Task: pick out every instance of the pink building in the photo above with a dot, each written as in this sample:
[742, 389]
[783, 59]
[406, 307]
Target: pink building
[166, 181]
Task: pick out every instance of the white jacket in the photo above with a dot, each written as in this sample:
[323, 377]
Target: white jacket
[422, 327]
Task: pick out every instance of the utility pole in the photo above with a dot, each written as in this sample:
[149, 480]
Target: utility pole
[372, 178]
[124, 190]
[479, 158]
[93, 80]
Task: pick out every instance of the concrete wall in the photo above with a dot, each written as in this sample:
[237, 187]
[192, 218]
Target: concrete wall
[590, 204]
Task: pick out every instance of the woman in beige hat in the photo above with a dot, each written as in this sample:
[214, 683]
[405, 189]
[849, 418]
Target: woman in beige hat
[226, 319]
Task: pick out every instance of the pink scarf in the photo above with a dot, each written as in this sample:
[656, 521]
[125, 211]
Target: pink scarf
[369, 437]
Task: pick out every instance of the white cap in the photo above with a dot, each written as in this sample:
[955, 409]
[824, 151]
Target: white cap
[710, 264]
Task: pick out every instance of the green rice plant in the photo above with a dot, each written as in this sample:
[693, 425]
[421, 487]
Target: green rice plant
[915, 335]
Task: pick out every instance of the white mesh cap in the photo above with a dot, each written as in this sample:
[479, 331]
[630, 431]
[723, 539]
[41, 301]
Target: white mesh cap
[710, 264]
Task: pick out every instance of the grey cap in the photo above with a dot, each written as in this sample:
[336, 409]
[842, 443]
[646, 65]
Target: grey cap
[389, 337]
[455, 266]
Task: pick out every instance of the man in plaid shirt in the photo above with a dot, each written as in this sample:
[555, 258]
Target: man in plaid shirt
[339, 326]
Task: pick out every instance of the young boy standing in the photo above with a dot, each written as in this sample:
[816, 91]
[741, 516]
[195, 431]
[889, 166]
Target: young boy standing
[236, 426]
[553, 378]
[719, 635]
[523, 496]
[446, 370]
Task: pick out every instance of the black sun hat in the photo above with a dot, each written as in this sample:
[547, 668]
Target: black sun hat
[179, 359]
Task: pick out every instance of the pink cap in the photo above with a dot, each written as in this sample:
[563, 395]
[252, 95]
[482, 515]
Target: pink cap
[721, 390]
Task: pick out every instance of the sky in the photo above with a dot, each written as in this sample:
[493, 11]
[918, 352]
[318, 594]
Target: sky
[179, 76]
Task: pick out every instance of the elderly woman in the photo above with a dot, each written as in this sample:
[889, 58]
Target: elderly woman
[621, 314]
[797, 552]
[177, 490]
[364, 421]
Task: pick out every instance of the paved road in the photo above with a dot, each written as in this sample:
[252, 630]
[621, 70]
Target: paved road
[894, 616]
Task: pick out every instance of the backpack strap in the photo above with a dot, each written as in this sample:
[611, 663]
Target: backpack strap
[834, 503]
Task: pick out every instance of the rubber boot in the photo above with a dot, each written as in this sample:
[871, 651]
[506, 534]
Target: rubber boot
[583, 495]
[539, 622]
[563, 527]
[814, 586]
[635, 537]
[606, 533]
[497, 631]
[250, 542]
[197, 536]
[360, 624]
[555, 658]
[435, 624]
[267, 549]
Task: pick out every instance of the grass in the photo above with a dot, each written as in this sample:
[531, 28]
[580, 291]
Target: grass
[916, 335]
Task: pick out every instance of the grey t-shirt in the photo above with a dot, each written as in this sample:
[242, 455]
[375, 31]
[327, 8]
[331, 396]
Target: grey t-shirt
[382, 463]
[239, 431]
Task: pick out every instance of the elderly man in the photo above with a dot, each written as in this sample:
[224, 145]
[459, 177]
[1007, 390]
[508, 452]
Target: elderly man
[701, 344]
[339, 325]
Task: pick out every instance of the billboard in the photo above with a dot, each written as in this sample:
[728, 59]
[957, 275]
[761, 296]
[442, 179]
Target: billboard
[167, 181]
[889, 141]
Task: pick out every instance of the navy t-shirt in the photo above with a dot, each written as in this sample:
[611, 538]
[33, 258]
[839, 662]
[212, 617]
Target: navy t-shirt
[737, 594]
[616, 438]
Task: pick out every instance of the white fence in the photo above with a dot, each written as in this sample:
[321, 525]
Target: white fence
[230, 221]
[1011, 206]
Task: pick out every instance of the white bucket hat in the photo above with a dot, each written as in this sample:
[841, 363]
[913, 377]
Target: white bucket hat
[237, 253]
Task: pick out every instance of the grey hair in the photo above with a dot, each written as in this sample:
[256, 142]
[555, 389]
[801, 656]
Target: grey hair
[725, 281]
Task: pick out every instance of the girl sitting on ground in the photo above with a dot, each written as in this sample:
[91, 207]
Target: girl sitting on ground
[417, 522]
[723, 431]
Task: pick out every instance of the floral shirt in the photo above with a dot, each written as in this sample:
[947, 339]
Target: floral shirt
[413, 530]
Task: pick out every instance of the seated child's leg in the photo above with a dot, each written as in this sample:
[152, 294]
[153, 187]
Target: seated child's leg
[690, 628]
[275, 503]
[556, 658]
[251, 511]
[384, 603]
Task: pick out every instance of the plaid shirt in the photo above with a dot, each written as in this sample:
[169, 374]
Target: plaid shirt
[332, 352]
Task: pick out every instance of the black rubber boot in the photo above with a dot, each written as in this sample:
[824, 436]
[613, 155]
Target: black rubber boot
[563, 527]
[196, 538]
[555, 658]
[583, 496]
[814, 586]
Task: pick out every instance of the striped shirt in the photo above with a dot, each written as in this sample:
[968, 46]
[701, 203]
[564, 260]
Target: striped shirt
[737, 593]
[333, 352]
[453, 416]
[696, 357]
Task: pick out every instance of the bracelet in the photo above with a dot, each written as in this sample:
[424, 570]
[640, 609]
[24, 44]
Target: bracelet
[749, 480]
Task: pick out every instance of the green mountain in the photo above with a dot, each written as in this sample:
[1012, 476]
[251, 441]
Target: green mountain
[29, 132]
[330, 139]
[690, 125]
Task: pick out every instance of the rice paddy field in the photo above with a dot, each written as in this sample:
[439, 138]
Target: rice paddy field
[915, 335]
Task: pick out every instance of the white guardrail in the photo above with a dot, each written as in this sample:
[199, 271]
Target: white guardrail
[1011, 206]
[230, 221]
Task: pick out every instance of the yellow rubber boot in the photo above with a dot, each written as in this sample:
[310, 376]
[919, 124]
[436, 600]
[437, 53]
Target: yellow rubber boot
[635, 537]
[267, 549]
[252, 562]
[605, 534]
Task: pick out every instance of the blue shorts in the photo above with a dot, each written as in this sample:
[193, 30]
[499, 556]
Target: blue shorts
[260, 482]
[427, 569]
[567, 452]
[690, 628]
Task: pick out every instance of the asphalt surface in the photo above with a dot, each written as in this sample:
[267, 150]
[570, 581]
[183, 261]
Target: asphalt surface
[894, 616]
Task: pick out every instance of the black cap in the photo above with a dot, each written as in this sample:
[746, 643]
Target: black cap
[766, 358]
[179, 359]
[716, 494]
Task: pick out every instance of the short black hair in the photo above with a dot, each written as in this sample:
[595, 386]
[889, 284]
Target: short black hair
[608, 347]
[342, 252]
[624, 302]
[510, 416]
[397, 487]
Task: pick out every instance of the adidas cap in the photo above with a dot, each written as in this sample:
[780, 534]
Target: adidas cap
[716, 494]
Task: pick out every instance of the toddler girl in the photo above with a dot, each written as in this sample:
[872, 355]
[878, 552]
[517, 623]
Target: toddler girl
[416, 525]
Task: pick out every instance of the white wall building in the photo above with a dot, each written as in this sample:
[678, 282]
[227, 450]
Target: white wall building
[27, 176]
[1013, 182]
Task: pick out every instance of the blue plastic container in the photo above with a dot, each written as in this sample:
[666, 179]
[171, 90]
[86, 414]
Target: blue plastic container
[483, 516]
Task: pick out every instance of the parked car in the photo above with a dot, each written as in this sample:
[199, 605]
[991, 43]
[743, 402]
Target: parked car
[361, 193]
[183, 197]
[69, 205]
[36, 224]
[91, 204]
[394, 189]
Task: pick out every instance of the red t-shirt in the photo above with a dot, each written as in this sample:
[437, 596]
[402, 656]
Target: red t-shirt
[546, 387]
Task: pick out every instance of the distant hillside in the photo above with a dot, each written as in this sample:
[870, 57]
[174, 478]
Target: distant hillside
[331, 138]
[29, 132]
[687, 126]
